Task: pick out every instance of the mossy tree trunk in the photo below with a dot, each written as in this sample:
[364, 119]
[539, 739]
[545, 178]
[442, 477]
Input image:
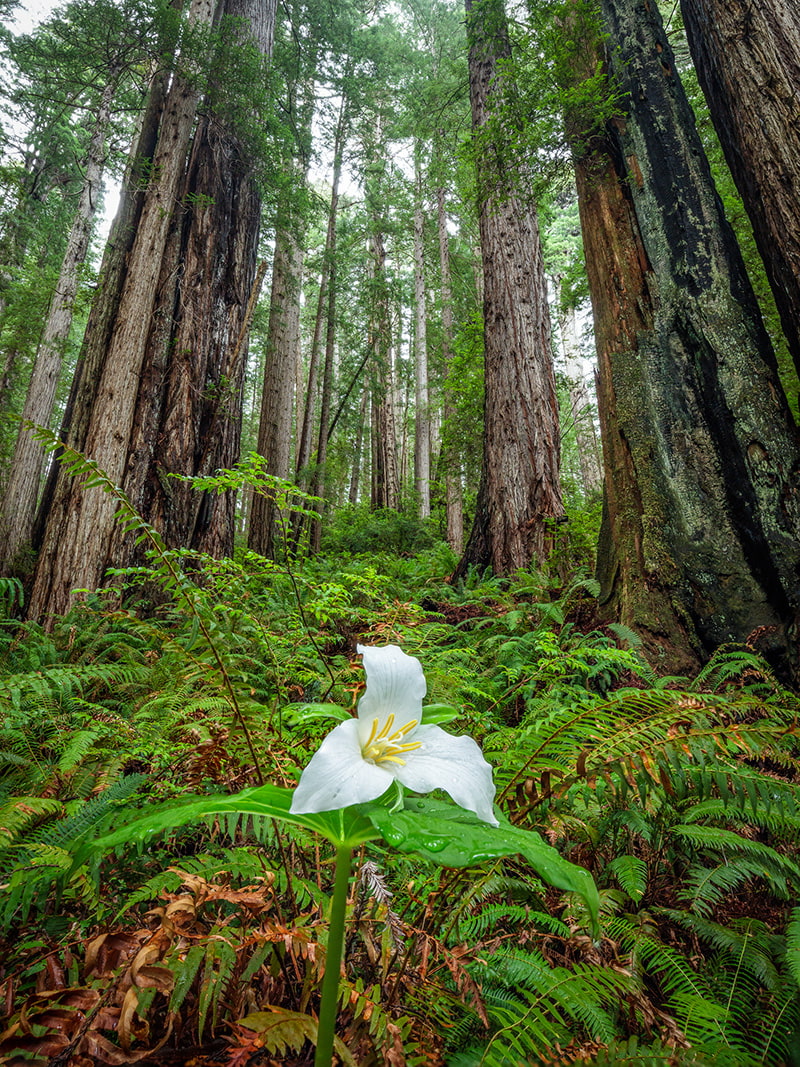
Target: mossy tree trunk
[701, 542]
[747, 57]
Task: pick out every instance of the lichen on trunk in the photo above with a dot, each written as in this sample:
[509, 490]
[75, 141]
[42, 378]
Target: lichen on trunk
[701, 541]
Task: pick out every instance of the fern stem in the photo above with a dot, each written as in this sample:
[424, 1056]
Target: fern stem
[328, 1008]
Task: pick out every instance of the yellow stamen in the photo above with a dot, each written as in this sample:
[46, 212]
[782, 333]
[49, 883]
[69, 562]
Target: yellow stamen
[386, 726]
[386, 745]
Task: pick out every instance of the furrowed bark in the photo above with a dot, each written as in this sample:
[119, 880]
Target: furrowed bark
[701, 542]
[519, 492]
[747, 58]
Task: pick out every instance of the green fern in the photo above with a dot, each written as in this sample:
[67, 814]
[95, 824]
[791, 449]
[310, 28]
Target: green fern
[631, 874]
[793, 945]
[42, 858]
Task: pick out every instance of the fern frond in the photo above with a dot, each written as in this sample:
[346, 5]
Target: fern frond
[705, 887]
[749, 948]
[18, 813]
[793, 945]
[719, 839]
[631, 874]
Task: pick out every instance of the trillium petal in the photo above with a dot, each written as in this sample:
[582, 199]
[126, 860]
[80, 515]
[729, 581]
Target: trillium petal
[337, 776]
[455, 764]
[395, 685]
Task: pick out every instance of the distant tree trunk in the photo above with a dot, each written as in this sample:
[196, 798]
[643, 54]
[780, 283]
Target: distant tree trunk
[280, 363]
[36, 180]
[422, 424]
[305, 437]
[580, 405]
[385, 476]
[22, 491]
[701, 540]
[355, 473]
[283, 358]
[519, 490]
[450, 455]
[78, 534]
[747, 58]
[319, 479]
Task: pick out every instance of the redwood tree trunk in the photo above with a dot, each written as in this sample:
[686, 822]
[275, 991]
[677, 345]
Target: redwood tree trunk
[283, 355]
[450, 457]
[19, 502]
[702, 533]
[188, 417]
[747, 57]
[519, 491]
[319, 479]
[385, 473]
[169, 389]
[80, 525]
[54, 509]
[580, 404]
[280, 364]
[422, 422]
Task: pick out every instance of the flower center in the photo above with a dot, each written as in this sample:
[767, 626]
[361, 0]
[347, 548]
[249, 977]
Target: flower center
[388, 745]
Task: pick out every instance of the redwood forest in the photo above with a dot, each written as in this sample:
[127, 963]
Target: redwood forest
[400, 533]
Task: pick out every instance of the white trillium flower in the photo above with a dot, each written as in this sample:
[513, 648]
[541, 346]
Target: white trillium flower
[360, 758]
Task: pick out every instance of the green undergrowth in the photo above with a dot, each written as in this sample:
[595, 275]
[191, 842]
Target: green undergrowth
[679, 795]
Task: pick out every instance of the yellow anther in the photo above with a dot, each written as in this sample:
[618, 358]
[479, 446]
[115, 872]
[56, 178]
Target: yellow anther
[387, 726]
[409, 726]
[386, 745]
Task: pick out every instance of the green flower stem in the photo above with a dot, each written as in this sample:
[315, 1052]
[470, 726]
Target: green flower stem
[333, 959]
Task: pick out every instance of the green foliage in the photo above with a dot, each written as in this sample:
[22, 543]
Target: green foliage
[359, 529]
[133, 744]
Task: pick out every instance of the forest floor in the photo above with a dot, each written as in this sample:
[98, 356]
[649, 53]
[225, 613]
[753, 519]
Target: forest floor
[203, 942]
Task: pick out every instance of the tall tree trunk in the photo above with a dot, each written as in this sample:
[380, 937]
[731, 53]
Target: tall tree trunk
[283, 355]
[701, 541]
[36, 180]
[747, 58]
[422, 425]
[280, 364]
[318, 481]
[355, 473]
[327, 281]
[19, 502]
[385, 476]
[54, 511]
[519, 492]
[450, 457]
[188, 281]
[580, 405]
[188, 417]
[78, 535]
[306, 434]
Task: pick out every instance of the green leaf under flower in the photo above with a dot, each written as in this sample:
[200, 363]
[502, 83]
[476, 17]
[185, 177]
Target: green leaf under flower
[453, 837]
[345, 827]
